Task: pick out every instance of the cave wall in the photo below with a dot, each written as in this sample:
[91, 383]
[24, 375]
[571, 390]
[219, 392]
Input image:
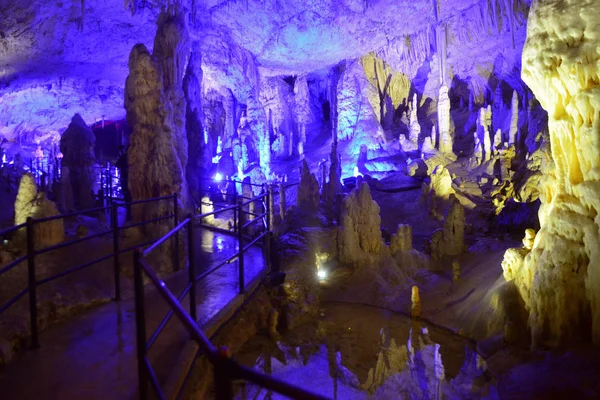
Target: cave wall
[559, 279]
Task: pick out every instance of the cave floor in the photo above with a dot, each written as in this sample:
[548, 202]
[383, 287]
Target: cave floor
[92, 355]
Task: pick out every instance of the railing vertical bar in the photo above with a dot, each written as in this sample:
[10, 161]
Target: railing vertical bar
[175, 223]
[191, 268]
[140, 324]
[240, 233]
[223, 382]
[235, 202]
[269, 222]
[35, 343]
[116, 261]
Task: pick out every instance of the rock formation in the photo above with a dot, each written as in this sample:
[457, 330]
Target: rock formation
[30, 203]
[77, 146]
[438, 190]
[155, 166]
[359, 234]
[414, 126]
[444, 123]
[514, 119]
[415, 300]
[258, 127]
[302, 110]
[308, 191]
[483, 131]
[172, 51]
[333, 186]
[199, 156]
[402, 240]
[561, 274]
[450, 241]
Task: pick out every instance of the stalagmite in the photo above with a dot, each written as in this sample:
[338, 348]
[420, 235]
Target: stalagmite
[478, 149]
[198, 147]
[433, 137]
[308, 190]
[455, 270]
[282, 201]
[514, 119]
[359, 234]
[415, 308]
[77, 146]
[154, 165]
[414, 127]
[30, 203]
[497, 141]
[450, 241]
[529, 239]
[561, 274]
[443, 111]
[302, 110]
[257, 125]
[402, 240]
[427, 147]
[483, 125]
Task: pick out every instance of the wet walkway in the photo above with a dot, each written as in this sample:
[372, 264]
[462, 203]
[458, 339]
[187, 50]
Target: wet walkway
[93, 355]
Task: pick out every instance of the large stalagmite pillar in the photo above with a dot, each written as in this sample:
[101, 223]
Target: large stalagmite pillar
[198, 154]
[302, 110]
[77, 146]
[514, 119]
[155, 107]
[443, 111]
[560, 278]
[414, 126]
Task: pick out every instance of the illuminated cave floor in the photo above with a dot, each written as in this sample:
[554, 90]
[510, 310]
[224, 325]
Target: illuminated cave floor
[92, 355]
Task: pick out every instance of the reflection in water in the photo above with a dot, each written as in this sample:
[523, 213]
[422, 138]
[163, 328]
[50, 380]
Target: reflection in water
[360, 352]
[220, 244]
[207, 240]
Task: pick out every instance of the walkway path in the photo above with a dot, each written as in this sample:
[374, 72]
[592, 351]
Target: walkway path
[93, 355]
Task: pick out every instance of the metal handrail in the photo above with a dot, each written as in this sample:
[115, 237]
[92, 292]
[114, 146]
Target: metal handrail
[72, 214]
[226, 369]
[12, 229]
[31, 254]
[166, 237]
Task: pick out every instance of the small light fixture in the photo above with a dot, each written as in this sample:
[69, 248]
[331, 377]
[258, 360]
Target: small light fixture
[322, 274]
[218, 177]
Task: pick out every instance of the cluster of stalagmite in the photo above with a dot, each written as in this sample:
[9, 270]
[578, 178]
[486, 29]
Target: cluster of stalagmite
[30, 203]
[359, 233]
[559, 279]
[77, 146]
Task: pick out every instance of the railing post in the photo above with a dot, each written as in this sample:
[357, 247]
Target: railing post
[241, 249]
[235, 202]
[269, 222]
[117, 265]
[192, 267]
[223, 386]
[175, 223]
[32, 284]
[110, 177]
[102, 187]
[140, 324]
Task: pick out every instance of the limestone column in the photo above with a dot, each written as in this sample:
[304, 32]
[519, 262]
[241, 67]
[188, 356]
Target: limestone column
[443, 111]
[514, 119]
